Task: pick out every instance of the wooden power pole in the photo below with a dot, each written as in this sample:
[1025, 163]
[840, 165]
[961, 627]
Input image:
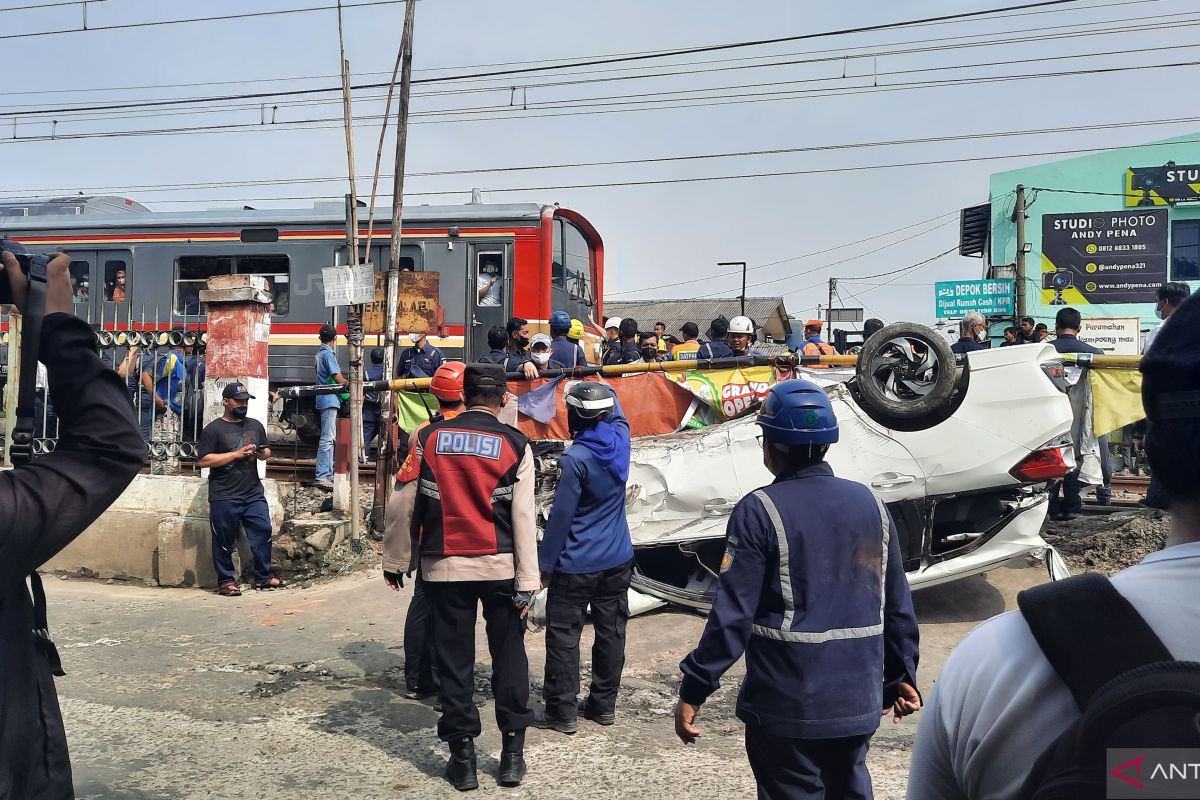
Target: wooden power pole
[385, 464]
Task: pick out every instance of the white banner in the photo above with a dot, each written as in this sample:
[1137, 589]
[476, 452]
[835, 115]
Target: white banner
[347, 285]
[1116, 336]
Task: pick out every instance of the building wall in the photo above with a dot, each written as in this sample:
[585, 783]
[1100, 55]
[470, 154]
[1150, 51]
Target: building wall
[1103, 174]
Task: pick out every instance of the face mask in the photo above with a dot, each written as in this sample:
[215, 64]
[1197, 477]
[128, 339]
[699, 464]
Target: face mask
[415, 337]
[523, 341]
[540, 358]
[239, 412]
[649, 354]
[1158, 312]
[981, 336]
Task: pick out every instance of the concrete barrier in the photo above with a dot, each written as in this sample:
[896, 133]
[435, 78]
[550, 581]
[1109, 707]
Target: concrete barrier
[157, 532]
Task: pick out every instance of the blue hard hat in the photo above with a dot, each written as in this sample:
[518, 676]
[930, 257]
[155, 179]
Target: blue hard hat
[560, 320]
[798, 412]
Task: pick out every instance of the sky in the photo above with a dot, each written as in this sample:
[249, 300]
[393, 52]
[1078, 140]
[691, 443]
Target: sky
[851, 214]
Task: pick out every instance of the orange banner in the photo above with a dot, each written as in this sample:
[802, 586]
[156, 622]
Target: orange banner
[653, 403]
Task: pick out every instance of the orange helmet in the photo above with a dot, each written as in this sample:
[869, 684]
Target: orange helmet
[447, 383]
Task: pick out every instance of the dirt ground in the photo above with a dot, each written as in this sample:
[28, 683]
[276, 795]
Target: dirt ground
[1108, 543]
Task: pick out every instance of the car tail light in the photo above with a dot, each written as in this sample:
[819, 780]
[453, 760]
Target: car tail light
[1051, 461]
[1056, 371]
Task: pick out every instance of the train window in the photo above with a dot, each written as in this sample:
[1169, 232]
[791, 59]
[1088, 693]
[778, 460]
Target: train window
[193, 272]
[116, 273]
[80, 281]
[260, 235]
[489, 274]
[557, 275]
[577, 261]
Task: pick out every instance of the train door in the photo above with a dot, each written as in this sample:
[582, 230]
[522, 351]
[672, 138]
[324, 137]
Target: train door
[101, 285]
[489, 290]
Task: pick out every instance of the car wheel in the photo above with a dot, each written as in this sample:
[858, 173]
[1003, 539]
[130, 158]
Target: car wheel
[906, 372]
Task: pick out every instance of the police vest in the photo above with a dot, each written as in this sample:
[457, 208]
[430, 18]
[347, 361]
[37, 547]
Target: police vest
[465, 488]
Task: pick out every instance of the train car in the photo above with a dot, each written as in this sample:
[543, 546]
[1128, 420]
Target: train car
[141, 269]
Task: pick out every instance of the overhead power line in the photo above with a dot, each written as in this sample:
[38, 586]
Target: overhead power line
[532, 69]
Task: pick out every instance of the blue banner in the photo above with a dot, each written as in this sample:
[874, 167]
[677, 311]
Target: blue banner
[959, 298]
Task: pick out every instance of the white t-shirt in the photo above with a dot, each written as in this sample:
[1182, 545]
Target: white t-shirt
[492, 298]
[998, 703]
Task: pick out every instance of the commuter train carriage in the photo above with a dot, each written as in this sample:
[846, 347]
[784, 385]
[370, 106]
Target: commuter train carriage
[545, 258]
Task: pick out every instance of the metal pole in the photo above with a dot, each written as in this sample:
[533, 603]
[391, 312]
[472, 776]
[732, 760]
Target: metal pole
[354, 313]
[741, 264]
[387, 454]
[829, 310]
[1019, 217]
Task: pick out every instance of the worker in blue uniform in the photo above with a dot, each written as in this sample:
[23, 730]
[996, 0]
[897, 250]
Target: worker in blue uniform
[716, 346]
[419, 361]
[562, 349]
[812, 590]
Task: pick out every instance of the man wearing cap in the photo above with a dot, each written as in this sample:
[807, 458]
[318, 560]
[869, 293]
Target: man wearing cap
[812, 590]
[464, 511]
[328, 405]
[814, 345]
[542, 351]
[612, 337]
[563, 350]
[229, 448]
[372, 400]
[420, 360]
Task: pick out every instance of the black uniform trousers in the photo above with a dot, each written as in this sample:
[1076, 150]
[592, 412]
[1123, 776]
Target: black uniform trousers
[824, 769]
[608, 594]
[419, 674]
[455, 606]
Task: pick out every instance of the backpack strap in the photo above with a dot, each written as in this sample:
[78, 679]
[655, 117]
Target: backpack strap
[1089, 632]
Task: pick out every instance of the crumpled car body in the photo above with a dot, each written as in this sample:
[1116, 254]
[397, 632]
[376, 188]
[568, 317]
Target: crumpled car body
[958, 488]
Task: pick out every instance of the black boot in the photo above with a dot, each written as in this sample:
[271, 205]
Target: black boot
[460, 768]
[512, 760]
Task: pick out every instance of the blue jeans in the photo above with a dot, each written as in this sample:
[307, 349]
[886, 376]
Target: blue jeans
[225, 518]
[325, 448]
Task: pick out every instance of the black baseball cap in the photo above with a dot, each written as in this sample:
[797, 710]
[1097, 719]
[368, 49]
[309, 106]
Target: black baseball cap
[327, 333]
[236, 391]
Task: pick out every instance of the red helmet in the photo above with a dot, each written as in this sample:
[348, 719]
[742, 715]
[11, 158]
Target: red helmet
[447, 383]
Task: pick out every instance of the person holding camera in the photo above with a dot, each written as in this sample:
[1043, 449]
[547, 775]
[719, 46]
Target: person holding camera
[229, 447]
[45, 505]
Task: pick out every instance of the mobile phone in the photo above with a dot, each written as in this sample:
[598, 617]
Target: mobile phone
[23, 258]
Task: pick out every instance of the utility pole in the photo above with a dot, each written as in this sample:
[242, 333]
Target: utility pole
[1019, 218]
[354, 313]
[829, 309]
[384, 465]
[741, 264]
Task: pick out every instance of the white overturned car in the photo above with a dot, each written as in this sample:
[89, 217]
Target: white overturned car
[961, 451]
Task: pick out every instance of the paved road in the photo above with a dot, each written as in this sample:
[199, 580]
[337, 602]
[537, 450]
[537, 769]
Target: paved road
[183, 694]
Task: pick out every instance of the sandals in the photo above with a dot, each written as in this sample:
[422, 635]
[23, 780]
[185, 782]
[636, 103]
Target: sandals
[229, 589]
[270, 583]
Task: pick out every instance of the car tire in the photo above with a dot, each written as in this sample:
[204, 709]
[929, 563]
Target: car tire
[906, 372]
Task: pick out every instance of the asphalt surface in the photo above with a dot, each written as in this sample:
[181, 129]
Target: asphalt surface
[175, 693]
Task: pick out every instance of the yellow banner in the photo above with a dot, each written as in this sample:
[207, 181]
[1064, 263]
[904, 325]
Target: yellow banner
[730, 392]
[1116, 398]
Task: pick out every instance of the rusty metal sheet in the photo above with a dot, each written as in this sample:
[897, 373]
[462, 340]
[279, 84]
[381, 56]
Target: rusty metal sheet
[418, 309]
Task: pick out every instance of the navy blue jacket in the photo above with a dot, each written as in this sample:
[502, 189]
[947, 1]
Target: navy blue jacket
[813, 592]
[587, 530]
[627, 353]
[718, 348]
[967, 345]
[419, 363]
[1069, 343]
[568, 352]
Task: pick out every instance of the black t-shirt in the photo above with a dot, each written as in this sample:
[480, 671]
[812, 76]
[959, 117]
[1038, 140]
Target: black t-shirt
[238, 479]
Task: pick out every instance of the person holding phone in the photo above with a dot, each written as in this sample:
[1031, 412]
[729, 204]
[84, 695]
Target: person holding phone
[229, 447]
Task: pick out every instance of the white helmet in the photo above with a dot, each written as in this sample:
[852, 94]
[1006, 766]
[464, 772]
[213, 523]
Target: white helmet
[613, 322]
[741, 325]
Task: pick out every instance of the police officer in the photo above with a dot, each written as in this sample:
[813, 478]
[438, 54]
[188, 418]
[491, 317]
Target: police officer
[419, 361]
[626, 350]
[562, 349]
[477, 548]
[812, 590]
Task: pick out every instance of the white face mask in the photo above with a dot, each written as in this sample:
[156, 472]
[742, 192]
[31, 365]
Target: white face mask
[415, 337]
[981, 335]
[540, 358]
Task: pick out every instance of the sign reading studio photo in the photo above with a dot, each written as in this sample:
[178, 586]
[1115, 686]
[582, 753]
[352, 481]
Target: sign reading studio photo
[1103, 257]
